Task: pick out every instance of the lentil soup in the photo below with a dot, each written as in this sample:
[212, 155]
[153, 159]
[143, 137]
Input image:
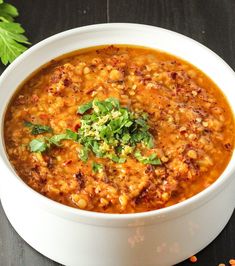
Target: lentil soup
[119, 129]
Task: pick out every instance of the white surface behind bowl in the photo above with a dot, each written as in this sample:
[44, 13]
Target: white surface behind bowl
[76, 237]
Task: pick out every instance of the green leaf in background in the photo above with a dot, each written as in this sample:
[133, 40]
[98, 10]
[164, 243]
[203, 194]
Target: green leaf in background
[8, 11]
[12, 39]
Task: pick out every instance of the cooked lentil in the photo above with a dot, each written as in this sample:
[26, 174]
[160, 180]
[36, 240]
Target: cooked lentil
[193, 259]
[189, 118]
[232, 262]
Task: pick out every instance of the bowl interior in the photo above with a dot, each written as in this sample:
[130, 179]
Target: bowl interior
[103, 34]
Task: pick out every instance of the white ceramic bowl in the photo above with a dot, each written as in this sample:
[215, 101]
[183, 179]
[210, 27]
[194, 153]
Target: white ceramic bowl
[75, 237]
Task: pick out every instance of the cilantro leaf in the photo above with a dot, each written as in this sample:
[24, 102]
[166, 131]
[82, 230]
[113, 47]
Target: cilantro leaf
[69, 134]
[28, 124]
[85, 107]
[152, 159]
[148, 141]
[56, 139]
[116, 159]
[37, 129]
[97, 167]
[83, 155]
[115, 102]
[38, 145]
[126, 137]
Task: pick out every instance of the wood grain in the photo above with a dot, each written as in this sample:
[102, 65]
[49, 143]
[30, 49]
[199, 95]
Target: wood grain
[211, 22]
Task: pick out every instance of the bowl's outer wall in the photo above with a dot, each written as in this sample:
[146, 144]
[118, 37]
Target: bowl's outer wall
[166, 236]
[75, 243]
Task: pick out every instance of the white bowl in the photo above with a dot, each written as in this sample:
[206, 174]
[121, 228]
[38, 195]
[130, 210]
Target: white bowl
[75, 237]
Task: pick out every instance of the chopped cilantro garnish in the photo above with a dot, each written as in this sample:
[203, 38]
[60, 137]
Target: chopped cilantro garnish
[37, 129]
[109, 131]
[152, 159]
[71, 135]
[97, 167]
[83, 154]
[54, 140]
[85, 107]
[38, 145]
[110, 128]
[28, 124]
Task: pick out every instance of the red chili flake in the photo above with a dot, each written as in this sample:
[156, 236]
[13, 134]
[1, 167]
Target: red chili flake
[80, 178]
[174, 75]
[67, 162]
[49, 89]
[149, 169]
[43, 116]
[20, 100]
[36, 168]
[56, 77]
[34, 98]
[146, 79]
[67, 82]
[182, 129]
[76, 127]
[228, 146]
[138, 72]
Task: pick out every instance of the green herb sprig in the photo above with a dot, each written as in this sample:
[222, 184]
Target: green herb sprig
[12, 38]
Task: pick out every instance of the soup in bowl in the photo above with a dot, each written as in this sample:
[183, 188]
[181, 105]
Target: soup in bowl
[119, 129]
[122, 134]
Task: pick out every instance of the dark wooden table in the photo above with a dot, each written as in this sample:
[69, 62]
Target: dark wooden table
[211, 22]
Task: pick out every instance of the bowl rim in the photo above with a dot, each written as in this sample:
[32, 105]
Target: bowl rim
[191, 203]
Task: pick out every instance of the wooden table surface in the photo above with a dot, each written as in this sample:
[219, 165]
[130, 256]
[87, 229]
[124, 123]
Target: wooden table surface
[211, 22]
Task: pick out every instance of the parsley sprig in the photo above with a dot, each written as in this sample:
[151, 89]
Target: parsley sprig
[108, 131]
[12, 38]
